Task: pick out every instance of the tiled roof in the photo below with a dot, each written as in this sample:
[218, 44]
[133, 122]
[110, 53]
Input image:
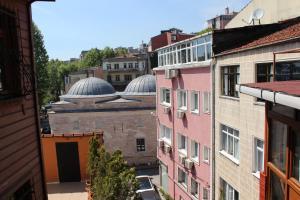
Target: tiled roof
[291, 32]
[286, 87]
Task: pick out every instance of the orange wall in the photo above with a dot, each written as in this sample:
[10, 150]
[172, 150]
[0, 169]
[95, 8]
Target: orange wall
[50, 160]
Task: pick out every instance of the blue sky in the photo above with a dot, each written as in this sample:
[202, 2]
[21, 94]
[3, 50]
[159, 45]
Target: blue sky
[70, 26]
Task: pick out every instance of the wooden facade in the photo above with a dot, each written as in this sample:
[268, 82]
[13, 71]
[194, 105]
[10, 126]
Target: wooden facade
[21, 166]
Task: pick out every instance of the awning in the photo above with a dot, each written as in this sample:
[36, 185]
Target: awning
[282, 92]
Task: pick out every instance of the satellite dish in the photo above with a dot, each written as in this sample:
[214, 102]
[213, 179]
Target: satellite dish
[258, 14]
[251, 18]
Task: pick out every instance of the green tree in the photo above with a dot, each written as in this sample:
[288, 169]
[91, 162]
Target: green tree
[92, 58]
[113, 180]
[121, 51]
[40, 61]
[107, 52]
[55, 79]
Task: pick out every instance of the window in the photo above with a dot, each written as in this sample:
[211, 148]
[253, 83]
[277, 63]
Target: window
[264, 72]
[195, 102]
[278, 144]
[230, 141]
[117, 77]
[166, 134]
[182, 99]
[9, 56]
[182, 178]
[228, 192]
[130, 65]
[287, 71]
[165, 97]
[277, 187]
[136, 65]
[206, 102]
[125, 65]
[194, 188]
[108, 66]
[230, 77]
[182, 144]
[205, 194]
[174, 37]
[194, 151]
[296, 157]
[140, 144]
[258, 155]
[109, 78]
[24, 192]
[128, 77]
[116, 66]
[206, 154]
[201, 53]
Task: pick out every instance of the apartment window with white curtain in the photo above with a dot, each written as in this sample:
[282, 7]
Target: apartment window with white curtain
[195, 151]
[182, 144]
[165, 96]
[166, 134]
[258, 156]
[194, 102]
[228, 192]
[206, 102]
[230, 76]
[182, 99]
[206, 154]
[230, 142]
[182, 178]
[194, 188]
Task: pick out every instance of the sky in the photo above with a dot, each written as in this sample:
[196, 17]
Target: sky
[70, 26]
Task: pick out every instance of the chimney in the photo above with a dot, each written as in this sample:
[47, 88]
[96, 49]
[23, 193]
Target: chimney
[226, 11]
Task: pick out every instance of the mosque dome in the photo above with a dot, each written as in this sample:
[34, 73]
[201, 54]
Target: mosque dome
[143, 85]
[91, 87]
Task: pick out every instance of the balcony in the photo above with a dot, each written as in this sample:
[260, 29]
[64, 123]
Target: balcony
[120, 70]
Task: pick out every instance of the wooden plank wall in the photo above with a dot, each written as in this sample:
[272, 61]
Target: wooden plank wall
[19, 147]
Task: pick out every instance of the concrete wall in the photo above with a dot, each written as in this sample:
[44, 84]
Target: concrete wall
[245, 115]
[274, 11]
[122, 123]
[194, 126]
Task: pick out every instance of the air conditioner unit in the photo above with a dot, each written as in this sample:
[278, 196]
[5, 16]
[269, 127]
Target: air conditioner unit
[167, 148]
[180, 114]
[182, 159]
[160, 144]
[168, 74]
[174, 73]
[167, 110]
[189, 164]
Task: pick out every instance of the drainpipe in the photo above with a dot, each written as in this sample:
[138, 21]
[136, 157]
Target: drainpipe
[173, 138]
[213, 166]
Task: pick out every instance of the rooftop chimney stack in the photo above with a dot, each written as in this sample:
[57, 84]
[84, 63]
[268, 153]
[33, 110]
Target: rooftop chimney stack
[226, 11]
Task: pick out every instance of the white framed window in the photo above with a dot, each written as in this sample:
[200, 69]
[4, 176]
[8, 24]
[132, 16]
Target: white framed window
[228, 192]
[206, 102]
[182, 144]
[165, 96]
[165, 134]
[182, 178]
[182, 99]
[194, 102]
[195, 151]
[206, 154]
[230, 142]
[194, 188]
[258, 156]
[205, 194]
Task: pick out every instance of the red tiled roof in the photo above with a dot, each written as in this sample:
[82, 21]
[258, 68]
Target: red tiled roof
[288, 33]
[287, 87]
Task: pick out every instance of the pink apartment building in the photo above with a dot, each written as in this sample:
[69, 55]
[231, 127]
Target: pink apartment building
[183, 79]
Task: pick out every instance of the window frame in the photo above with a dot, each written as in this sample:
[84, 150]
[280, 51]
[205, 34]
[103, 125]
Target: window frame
[140, 147]
[227, 189]
[162, 134]
[194, 158]
[256, 150]
[198, 188]
[192, 102]
[206, 105]
[163, 97]
[230, 75]
[181, 150]
[179, 99]
[184, 182]
[224, 150]
[206, 153]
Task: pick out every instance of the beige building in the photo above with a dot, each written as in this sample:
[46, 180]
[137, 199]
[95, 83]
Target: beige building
[125, 118]
[239, 118]
[119, 71]
[274, 11]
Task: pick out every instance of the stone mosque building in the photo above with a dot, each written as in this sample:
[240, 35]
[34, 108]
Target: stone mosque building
[126, 118]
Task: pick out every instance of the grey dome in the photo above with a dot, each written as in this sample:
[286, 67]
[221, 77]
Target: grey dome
[90, 87]
[141, 85]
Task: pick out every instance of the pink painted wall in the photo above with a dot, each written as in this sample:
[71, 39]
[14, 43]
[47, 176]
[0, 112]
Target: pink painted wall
[195, 126]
